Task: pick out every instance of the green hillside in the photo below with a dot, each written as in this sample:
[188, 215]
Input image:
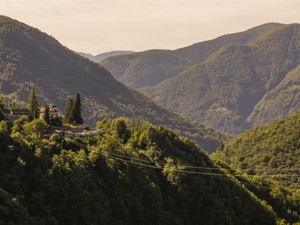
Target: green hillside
[145, 68]
[231, 83]
[29, 56]
[282, 100]
[130, 173]
[149, 68]
[272, 150]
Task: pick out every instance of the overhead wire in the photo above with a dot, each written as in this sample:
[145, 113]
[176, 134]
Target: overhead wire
[220, 177]
[109, 155]
[142, 162]
[227, 178]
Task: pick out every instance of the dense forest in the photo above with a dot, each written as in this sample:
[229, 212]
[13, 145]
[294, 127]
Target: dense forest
[272, 149]
[130, 173]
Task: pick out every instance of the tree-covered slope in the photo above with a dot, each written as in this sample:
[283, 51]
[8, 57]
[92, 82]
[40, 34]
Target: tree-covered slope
[148, 68]
[272, 150]
[215, 96]
[144, 68]
[130, 173]
[224, 83]
[28, 56]
[280, 101]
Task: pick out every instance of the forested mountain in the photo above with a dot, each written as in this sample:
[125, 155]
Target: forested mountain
[231, 83]
[28, 56]
[98, 58]
[272, 149]
[130, 173]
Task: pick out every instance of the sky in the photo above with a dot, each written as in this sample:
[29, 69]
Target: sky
[97, 26]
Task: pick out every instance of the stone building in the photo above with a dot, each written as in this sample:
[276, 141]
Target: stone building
[14, 114]
[53, 111]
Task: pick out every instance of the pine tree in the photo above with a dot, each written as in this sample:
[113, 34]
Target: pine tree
[68, 112]
[76, 112]
[47, 114]
[33, 104]
[2, 117]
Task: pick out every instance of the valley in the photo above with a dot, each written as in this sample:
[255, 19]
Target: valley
[206, 134]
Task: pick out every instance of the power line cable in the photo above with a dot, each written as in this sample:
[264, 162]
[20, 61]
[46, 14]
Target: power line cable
[136, 162]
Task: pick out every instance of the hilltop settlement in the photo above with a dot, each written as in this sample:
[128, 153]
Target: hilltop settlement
[66, 124]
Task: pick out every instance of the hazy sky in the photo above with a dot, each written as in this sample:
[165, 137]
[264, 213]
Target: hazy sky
[97, 26]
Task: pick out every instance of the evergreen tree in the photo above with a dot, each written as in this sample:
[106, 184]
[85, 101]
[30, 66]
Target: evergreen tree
[68, 112]
[33, 104]
[47, 114]
[2, 116]
[76, 111]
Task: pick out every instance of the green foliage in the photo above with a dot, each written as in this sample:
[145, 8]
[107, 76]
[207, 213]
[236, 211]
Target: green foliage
[3, 127]
[73, 111]
[120, 130]
[56, 121]
[2, 116]
[33, 104]
[11, 212]
[47, 114]
[285, 202]
[272, 152]
[18, 124]
[57, 181]
[68, 111]
[4, 136]
[272, 149]
[76, 110]
[280, 101]
[37, 127]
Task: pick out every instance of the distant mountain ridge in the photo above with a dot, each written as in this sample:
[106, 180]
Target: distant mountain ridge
[29, 56]
[231, 83]
[100, 57]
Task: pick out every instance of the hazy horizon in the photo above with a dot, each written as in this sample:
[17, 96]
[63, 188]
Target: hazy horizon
[100, 26]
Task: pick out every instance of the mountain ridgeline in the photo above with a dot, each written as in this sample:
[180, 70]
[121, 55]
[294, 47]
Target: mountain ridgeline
[100, 57]
[29, 56]
[231, 83]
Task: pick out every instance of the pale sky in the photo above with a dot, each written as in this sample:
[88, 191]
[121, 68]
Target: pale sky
[97, 26]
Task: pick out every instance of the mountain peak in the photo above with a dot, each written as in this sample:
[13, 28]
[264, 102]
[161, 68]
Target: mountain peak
[5, 18]
[8, 20]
